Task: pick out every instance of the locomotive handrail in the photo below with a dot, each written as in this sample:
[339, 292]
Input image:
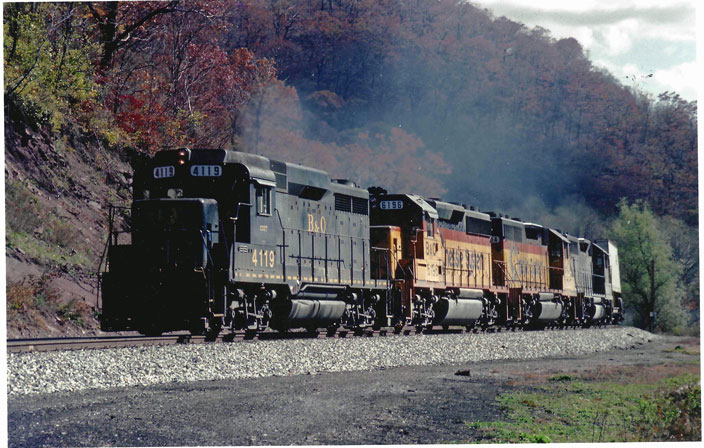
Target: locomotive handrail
[108, 242]
[385, 251]
[234, 231]
[207, 249]
[111, 221]
[237, 212]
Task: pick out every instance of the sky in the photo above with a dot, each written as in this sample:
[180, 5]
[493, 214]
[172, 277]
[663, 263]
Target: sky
[630, 38]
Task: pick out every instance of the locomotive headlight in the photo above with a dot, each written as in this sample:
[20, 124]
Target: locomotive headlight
[183, 155]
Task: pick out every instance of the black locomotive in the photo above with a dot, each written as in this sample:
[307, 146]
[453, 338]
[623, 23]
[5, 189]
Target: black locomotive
[225, 239]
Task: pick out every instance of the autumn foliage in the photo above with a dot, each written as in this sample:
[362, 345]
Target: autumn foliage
[436, 97]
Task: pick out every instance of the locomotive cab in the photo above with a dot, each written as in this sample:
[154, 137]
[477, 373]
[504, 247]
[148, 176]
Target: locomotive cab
[174, 234]
[166, 271]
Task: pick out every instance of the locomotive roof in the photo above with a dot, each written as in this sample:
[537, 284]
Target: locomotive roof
[477, 214]
[261, 168]
[605, 243]
[440, 209]
[600, 248]
[257, 166]
[299, 175]
[446, 210]
[423, 204]
[572, 239]
[303, 175]
[510, 221]
[559, 235]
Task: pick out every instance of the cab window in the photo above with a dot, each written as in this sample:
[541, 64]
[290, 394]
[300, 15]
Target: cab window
[264, 200]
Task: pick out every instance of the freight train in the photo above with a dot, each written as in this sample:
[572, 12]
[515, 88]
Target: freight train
[223, 239]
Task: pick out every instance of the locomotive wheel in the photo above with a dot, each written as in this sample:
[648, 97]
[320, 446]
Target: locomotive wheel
[196, 328]
[151, 331]
[213, 330]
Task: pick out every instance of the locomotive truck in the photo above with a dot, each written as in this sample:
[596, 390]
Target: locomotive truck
[219, 238]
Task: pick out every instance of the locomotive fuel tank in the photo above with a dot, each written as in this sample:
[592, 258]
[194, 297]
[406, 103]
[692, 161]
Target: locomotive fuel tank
[307, 313]
[464, 309]
[598, 312]
[547, 308]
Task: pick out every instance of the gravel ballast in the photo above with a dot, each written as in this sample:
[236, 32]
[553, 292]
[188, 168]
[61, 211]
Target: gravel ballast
[72, 371]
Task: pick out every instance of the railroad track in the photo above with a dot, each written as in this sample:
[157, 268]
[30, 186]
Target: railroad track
[117, 341]
[93, 342]
[97, 342]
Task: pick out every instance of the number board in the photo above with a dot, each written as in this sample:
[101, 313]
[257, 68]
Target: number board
[206, 170]
[161, 172]
[391, 205]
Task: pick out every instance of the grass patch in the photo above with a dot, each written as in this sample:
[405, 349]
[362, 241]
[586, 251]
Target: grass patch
[561, 378]
[48, 253]
[680, 349]
[34, 227]
[21, 208]
[569, 409]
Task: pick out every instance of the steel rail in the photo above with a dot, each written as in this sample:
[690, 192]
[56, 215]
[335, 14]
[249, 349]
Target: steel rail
[92, 342]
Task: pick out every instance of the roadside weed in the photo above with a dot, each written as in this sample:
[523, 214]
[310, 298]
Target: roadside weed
[570, 410]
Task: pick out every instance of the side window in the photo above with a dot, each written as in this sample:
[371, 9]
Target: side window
[263, 200]
[429, 224]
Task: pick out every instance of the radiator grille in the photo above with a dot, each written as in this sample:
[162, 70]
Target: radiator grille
[343, 203]
[360, 206]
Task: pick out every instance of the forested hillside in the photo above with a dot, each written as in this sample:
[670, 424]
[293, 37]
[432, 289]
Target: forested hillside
[436, 97]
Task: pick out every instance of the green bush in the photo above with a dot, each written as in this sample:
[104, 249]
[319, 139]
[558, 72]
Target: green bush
[61, 233]
[673, 412]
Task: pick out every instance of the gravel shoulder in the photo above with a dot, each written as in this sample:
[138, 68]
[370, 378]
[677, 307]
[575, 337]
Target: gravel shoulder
[73, 371]
[369, 405]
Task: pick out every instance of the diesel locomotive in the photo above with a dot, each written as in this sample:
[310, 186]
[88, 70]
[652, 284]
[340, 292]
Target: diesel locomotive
[222, 239]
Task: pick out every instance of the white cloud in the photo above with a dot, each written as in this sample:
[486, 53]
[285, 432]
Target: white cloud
[682, 78]
[627, 37]
[618, 38]
[670, 20]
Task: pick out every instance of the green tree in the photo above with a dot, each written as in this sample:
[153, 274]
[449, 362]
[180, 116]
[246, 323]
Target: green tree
[684, 241]
[649, 276]
[48, 53]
